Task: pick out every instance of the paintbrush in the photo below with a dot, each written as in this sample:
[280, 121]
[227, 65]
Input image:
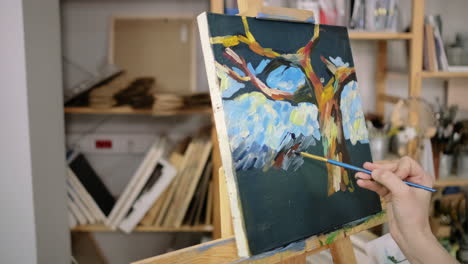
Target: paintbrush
[351, 167]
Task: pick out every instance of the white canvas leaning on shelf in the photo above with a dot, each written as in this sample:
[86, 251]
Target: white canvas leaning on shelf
[90, 219]
[81, 219]
[71, 220]
[144, 171]
[85, 196]
[164, 173]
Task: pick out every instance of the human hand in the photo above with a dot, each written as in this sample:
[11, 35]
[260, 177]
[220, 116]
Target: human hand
[407, 207]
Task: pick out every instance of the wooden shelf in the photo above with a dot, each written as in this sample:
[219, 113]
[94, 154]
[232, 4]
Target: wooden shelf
[451, 181]
[444, 75]
[363, 35]
[126, 110]
[103, 228]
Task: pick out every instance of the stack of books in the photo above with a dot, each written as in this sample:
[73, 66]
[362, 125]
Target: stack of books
[161, 193]
[434, 55]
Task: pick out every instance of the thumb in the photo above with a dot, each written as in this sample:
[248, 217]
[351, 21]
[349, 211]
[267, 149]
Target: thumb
[390, 180]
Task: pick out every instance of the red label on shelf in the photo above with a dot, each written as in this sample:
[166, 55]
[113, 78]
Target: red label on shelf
[103, 144]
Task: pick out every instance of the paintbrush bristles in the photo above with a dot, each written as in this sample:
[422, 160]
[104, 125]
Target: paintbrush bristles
[307, 155]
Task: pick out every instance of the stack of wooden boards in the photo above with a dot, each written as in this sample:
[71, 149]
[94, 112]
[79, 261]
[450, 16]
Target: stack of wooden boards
[434, 55]
[137, 93]
[169, 102]
[160, 193]
[183, 202]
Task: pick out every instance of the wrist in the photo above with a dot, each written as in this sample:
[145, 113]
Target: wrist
[421, 244]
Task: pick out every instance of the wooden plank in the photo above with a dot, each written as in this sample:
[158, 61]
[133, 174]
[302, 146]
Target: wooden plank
[198, 202]
[444, 75]
[416, 48]
[415, 67]
[185, 178]
[451, 181]
[216, 157]
[160, 220]
[193, 175]
[342, 251]
[217, 6]
[389, 98]
[203, 195]
[152, 213]
[85, 249]
[225, 251]
[209, 204]
[253, 8]
[301, 259]
[381, 76]
[363, 35]
[103, 228]
[127, 110]
[225, 209]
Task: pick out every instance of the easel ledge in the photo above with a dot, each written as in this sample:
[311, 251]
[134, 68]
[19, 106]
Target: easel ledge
[225, 251]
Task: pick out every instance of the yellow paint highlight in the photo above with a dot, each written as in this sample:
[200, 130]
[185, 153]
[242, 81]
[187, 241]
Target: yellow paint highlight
[227, 41]
[297, 117]
[331, 130]
[357, 124]
[247, 29]
[327, 94]
[312, 156]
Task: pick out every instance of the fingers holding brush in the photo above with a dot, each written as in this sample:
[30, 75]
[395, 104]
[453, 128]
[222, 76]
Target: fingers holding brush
[373, 186]
[405, 168]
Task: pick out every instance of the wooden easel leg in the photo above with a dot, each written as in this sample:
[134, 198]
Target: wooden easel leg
[301, 259]
[216, 157]
[224, 207]
[342, 251]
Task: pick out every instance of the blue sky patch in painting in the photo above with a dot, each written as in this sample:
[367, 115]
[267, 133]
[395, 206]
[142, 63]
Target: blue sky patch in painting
[286, 78]
[354, 125]
[261, 127]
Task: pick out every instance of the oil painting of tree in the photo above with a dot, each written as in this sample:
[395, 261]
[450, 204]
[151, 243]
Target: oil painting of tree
[287, 87]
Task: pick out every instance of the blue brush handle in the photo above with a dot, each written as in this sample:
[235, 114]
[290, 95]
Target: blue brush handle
[420, 186]
[351, 167]
[348, 166]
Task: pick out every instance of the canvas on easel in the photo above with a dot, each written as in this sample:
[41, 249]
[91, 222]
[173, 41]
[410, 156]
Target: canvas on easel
[277, 88]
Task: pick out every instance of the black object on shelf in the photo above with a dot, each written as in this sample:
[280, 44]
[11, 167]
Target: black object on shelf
[93, 184]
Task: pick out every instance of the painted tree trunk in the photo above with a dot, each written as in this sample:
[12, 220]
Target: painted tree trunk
[334, 146]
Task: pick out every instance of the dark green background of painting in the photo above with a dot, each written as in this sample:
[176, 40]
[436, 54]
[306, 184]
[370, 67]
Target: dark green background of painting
[280, 207]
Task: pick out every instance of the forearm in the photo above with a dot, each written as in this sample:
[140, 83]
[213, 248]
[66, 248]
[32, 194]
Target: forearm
[425, 249]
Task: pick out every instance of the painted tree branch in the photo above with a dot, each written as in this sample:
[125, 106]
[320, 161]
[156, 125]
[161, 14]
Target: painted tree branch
[306, 62]
[249, 39]
[234, 75]
[272, 93]
[301, 57]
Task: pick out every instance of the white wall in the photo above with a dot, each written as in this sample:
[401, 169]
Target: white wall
[18, 239]
[33, 225]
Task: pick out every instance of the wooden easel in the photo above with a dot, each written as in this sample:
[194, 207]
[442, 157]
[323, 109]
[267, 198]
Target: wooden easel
[224, 250]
